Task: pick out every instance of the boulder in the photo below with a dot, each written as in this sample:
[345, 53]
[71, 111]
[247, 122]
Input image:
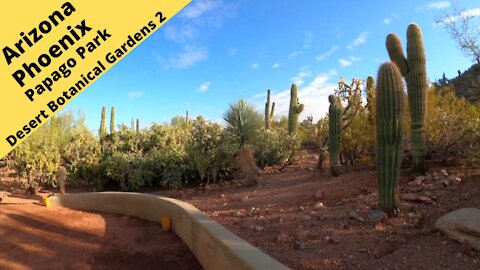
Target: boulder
[462, 225]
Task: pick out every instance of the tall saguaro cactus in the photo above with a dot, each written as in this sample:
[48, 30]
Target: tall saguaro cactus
[370, 89]
[389, 98]
[335, 122]
[295, 109]
[103, 124]
[413, 67]
[138, 125]
[112, 120]
[269, 112]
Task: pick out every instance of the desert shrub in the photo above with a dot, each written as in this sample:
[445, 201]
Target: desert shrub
[204, 149]
[453, 126]
[37, 159]
[358, 141]
[274, 146]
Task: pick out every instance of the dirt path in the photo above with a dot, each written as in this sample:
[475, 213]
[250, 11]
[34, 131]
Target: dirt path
[36, 237]
[338, 229]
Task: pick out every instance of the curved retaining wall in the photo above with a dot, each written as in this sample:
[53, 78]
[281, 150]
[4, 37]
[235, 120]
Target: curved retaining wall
[215, 247]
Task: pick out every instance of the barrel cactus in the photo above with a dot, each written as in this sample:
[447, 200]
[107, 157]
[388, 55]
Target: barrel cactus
[389, 111]
[335, 122]
[295, 109]
[413, 68]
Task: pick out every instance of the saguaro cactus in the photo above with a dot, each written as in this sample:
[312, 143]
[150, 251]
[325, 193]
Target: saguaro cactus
[414, 69]
[295, 109]
[112, 120]
[138, 125]
[370, 89]
[269, 112]
[335, 122]
[389, 97]
[103, 125]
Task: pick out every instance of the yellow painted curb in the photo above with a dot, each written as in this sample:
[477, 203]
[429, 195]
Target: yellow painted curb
[166, 224]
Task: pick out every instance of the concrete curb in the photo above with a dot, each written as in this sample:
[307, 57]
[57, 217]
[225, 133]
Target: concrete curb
[215, 247]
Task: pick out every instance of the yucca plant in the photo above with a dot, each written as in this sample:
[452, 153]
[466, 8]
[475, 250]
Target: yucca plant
[243, 124]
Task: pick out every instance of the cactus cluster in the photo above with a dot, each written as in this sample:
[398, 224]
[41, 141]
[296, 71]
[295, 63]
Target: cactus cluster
[389, 111]
[295, 109]
[269, 111]
[413, 68]
[335, 122]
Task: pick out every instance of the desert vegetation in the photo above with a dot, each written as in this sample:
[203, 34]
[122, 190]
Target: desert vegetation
[191, 152]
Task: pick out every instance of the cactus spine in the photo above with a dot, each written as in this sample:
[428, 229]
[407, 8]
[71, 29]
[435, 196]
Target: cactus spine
[335, 121]
[414, 69]
[103, 125]
[269, 112]
[389, 107]
[112, 121]
[295, 109]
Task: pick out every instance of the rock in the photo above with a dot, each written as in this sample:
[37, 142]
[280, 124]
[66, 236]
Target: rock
[443, 172]
[331, 240]
[319, 205]
[455, 180]
[301, 208]
[354, 215]
[259, 228]
[282, 237]
[417, 198]
[445, 182]
[297, 245]
[306, 217]
[378, 216]
[318, 195]
[462, 225]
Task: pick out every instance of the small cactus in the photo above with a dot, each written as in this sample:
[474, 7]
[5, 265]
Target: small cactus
[295, 109]
[112, 121]
[413, 67]
[269, 112]
[389, 107]
[335, 122]
[103, 124]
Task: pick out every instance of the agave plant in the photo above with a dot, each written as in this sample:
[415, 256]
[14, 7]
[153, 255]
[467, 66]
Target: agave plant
[243, 124]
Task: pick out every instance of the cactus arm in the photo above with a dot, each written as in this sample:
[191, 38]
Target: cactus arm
[395, 52]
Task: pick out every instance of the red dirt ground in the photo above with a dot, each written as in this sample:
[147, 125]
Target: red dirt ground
[282, 218]
[35, 237]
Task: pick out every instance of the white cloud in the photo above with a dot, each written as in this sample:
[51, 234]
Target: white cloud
[327, 53]
[387, 20]
[314, 96]
[135, 94]
[276, 65]
[348, 62]
[294, 54]
[198, 8]
[439, 5]
[302, 74]
[344, 62]
[204, 87]
[254, 66]
[470, 13]
[361, 39]
[191, 56]
[180, 34]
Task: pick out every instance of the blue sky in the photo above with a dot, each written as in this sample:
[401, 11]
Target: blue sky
[215, 52]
